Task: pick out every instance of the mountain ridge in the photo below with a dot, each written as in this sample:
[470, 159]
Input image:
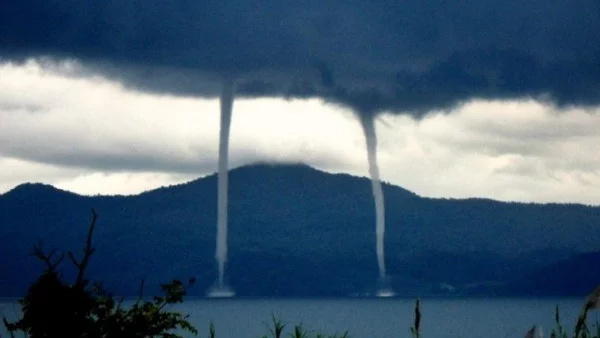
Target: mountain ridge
[259, 165]
[297, 231]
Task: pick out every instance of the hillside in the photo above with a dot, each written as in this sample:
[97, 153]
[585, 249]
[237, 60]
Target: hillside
[297, 231]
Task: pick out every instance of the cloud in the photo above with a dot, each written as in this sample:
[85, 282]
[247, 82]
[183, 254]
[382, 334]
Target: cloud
[512, 150]
[93, 135]
[123, 183]
[97, 124]
[15, 171]
[400, 56]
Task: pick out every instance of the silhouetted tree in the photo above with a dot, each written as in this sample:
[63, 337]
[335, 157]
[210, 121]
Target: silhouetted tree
[55, 308]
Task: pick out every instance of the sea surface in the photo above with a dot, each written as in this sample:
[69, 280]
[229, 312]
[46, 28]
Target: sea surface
[375, 318]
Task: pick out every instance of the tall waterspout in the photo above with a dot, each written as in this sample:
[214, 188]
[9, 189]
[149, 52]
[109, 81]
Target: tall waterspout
[226, 99]
[368, 126]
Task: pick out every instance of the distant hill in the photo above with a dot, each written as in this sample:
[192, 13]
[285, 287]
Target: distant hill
[297, 231]
[574, 275]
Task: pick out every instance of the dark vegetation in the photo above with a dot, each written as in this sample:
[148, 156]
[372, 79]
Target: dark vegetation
[55, 307]
[296, 231]
[581, 330]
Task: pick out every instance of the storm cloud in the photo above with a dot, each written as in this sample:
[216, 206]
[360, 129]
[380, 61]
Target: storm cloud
[408, 56]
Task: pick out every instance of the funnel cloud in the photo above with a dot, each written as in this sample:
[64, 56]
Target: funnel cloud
[226, 110]
[368, 127]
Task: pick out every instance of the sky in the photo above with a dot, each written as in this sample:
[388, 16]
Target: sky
[94, 136]
[483, 98]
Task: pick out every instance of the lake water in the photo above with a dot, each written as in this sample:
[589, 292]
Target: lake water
[375, 318]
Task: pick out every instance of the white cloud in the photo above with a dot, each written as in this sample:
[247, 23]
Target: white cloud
[91, 135]
[506, 150]
[15, 171]
[120, 183]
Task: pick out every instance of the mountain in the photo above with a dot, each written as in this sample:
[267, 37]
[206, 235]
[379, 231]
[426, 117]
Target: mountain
[574, 275]
[297, 231]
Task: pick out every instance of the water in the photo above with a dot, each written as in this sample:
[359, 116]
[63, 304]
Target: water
[375, 318]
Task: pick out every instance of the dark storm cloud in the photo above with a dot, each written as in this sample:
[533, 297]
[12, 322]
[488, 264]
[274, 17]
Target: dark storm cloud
[412, 55]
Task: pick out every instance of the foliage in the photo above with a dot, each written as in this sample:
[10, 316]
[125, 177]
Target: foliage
[558, 331]
[581, 329]
[55, 308]
[299, 332]
[416, 329]
[211, 330]
[277, 328]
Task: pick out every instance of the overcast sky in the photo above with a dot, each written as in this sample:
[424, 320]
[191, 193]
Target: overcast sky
[92, 135]
[473, 98]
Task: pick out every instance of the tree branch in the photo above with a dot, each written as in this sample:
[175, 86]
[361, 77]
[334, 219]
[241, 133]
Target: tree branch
[47, 258]
[87, 252]
[140, 292]
[73, 260]
[119, 303]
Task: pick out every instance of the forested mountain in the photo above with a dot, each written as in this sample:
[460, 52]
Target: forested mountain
[297, 231]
